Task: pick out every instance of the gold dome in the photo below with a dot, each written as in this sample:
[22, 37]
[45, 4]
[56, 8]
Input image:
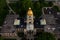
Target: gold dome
[30, 12]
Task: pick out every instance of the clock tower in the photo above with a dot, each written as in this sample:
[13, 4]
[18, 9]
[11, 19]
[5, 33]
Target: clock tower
[30, 24]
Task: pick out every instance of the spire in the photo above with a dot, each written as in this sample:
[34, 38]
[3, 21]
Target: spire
[30, 12]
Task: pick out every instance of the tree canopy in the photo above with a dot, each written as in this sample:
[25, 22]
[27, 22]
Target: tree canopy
[3, 10]
[46, 36]
[56, 8]
[22, 6]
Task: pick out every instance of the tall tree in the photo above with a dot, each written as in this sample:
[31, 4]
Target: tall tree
[3, 10]
[45, 36]
[37, 9]
[25, 4]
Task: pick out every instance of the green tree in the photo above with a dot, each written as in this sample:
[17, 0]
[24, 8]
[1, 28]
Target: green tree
[20, 34]
[56, 8]
[21, 7]
[50, 3]
[41, 1]
[37, 9]
[45, 36]
[25, 4]
[3, 11]
[1, 38]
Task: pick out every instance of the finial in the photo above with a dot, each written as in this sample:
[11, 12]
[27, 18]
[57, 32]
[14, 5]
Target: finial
[29, 7]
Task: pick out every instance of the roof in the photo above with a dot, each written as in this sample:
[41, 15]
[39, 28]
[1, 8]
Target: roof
[17, 22]
[43, 22]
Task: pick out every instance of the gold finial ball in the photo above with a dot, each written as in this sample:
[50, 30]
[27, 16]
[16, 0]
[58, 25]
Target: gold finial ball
[30, 12]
